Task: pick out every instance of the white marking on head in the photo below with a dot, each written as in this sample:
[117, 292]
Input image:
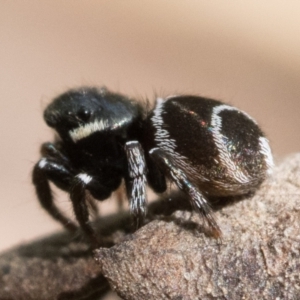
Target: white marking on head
[224, 155]
[266, 151]
[86, 130]
[42, 163]
[85, 178]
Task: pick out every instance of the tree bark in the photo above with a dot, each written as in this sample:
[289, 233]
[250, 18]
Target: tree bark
[173, 256]
[258, 257]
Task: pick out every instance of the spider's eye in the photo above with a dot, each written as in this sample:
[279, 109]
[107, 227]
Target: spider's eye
[84, 115]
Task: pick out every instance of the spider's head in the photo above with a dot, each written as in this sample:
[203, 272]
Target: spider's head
[80, 113]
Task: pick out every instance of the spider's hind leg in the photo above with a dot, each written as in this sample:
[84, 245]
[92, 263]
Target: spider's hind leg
[177, 175]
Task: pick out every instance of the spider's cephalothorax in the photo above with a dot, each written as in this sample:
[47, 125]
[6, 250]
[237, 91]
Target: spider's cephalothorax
[207, 148]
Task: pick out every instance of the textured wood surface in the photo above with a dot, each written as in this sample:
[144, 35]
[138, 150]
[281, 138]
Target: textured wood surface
[258, 257]
[173, 256]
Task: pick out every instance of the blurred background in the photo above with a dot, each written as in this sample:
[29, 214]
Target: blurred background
[244, 53]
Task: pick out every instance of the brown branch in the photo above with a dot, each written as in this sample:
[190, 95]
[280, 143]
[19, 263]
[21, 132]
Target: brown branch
[258, 258]
[173, 257]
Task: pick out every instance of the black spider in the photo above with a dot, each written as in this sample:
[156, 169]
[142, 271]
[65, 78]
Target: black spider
[207, 148]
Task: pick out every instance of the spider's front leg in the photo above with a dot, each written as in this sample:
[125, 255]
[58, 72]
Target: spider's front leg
[136, 183]
[52, 167]
[80, 184]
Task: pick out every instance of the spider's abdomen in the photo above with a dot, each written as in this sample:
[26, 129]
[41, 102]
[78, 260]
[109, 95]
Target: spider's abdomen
[220, 148]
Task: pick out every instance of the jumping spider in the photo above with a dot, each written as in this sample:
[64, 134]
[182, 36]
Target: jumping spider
[206, 147]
